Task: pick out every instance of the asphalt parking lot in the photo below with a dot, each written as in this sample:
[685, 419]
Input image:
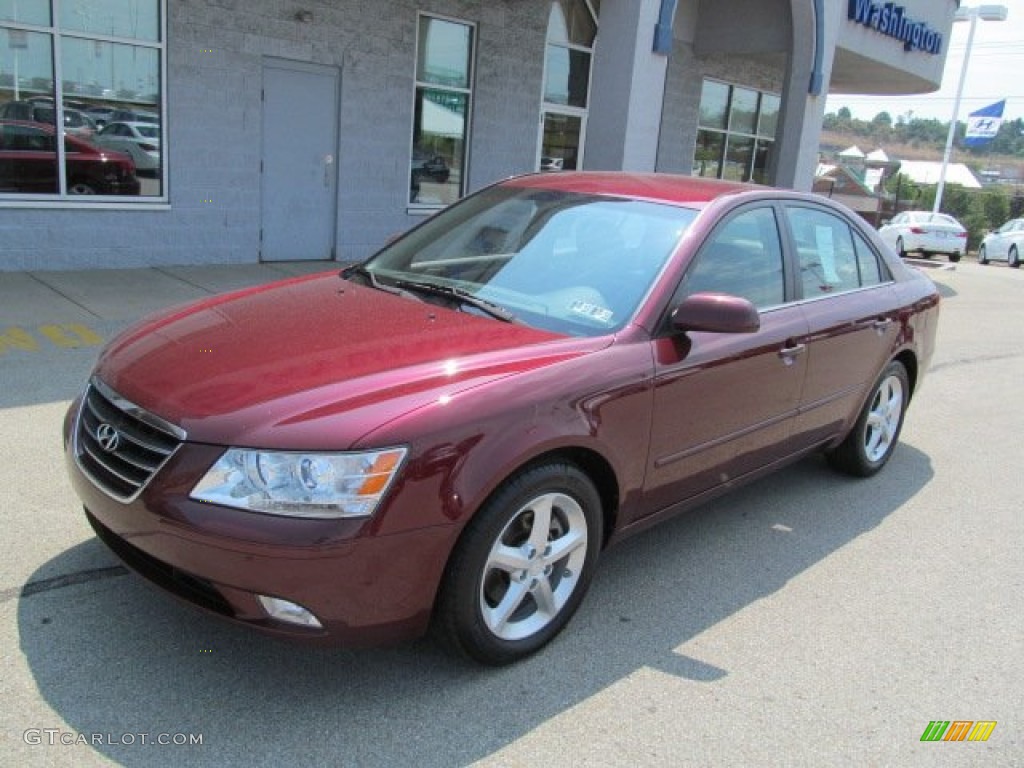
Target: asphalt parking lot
[806, 620]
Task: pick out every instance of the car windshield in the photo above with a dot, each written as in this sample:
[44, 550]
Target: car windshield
[566, 262]
[148, 131]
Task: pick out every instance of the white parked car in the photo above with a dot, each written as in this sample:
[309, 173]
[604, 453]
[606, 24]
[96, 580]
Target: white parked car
[140, 140]
[1005, 244]
[926, 233]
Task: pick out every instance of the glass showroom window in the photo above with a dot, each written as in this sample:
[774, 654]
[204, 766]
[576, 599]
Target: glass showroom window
[444, 78]
[736, 132]
[96, 68]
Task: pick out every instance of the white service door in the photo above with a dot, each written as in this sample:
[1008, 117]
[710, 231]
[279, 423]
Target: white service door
[300, 165]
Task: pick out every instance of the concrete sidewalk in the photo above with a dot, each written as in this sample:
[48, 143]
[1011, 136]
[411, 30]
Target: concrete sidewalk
[94, 295]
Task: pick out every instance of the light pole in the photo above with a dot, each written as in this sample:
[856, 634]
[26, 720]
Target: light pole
[988, 13]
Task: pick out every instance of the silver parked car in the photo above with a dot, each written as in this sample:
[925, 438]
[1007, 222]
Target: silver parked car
[140, 140]
[1005, 244]
[926, 233]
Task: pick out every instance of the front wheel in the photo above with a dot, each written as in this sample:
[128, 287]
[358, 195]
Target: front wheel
[982, 255]
[873, 438]
[1013, 259]
[899, 249]
[522, 566]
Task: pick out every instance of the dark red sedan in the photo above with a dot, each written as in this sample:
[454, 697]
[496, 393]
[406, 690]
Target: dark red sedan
[29, 164]
[451, 432]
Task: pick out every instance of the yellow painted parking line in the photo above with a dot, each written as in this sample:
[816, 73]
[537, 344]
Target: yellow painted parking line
[17, 338]
[60, 335]
[71, 335]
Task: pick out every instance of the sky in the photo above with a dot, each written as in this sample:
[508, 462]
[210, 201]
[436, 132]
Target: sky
[995, 71]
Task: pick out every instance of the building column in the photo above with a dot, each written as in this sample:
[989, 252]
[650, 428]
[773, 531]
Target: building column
[802, 110]
[627, 89]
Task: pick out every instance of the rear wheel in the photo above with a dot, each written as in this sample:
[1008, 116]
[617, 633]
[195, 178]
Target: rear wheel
[81, 188]
[954, 257]
[982, 255]
[873, 438]
[1013, 259]
[899, 248]
[522, 566]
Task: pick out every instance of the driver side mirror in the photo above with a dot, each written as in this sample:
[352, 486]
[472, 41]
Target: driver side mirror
[716, 313]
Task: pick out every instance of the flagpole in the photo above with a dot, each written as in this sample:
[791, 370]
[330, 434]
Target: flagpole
[956, 111]
[990, 13]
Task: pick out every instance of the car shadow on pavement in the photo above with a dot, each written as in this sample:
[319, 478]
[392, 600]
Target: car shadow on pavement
[112, 657]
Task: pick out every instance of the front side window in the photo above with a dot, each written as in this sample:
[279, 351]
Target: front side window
[833, 257]
[440, 133]
[742, 258]
[82, 65]
[736, 132]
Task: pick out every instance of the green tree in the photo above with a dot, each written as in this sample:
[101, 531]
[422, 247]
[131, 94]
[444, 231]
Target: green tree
[882, 119]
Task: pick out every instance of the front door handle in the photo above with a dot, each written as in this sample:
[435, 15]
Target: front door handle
[881, 324]
[790, 352]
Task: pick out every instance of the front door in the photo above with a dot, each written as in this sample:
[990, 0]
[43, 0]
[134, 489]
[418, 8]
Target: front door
[724, 404]
[300, 169]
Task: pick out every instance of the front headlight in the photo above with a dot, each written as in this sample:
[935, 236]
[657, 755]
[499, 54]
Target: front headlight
[320, 485]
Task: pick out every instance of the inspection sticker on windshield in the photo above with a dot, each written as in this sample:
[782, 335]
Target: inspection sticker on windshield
[593, 311]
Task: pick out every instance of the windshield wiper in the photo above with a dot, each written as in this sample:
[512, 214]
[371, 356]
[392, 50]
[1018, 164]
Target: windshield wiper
[458, 294]
[371, 279]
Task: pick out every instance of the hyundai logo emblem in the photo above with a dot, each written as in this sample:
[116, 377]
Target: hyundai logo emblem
[108, 438]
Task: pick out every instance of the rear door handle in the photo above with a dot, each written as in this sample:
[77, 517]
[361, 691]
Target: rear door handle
[881, 324]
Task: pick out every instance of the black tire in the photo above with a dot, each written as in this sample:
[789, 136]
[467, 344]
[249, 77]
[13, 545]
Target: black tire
[982, 255]
[899, 248]
[493, 612]
[81, 188]
[1012, 258]
[874, 436]
[954, 257]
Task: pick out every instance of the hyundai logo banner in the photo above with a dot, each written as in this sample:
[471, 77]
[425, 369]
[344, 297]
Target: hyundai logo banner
[891, 19]
[983, 124]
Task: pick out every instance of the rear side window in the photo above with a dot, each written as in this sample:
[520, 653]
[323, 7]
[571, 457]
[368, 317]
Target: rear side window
[743, 258]
[871, 271]
[833, 258]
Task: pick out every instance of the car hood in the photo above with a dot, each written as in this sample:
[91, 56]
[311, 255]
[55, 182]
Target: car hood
[314, 363]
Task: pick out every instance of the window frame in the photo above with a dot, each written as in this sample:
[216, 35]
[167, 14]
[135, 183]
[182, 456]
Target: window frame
[412, 207]
[793, 288]
[760, 139]
[567, 110]
[62, 198]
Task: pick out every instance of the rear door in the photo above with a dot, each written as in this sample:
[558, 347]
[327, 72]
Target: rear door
[849, 303]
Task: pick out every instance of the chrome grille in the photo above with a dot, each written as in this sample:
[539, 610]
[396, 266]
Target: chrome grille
[119, 445]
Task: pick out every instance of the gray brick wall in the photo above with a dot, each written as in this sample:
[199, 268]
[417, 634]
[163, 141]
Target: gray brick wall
[215, 52]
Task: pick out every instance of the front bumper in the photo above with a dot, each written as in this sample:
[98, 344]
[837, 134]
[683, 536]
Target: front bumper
[363, 588]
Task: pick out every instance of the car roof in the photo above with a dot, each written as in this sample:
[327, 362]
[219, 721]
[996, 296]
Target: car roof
[44, 127]
[660, 187]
